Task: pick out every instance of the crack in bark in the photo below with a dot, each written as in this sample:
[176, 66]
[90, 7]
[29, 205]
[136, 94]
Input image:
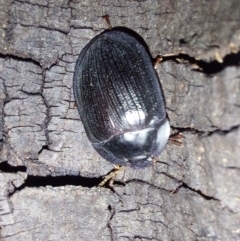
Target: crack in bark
[129, 210]
[203, 133]
[20, 58]
[182, 185]
[140, 238]
[112, 212]
[43, 181]
[45, 27]
[47, 118]
[199, 192]
[149, 184]
[208, 68]
[20, 232]
[154, 221]
[33, 4]
[110, 231]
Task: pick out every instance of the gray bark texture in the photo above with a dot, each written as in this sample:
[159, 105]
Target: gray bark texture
[49, 172]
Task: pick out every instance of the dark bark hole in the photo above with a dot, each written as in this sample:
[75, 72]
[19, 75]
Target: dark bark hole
[38, 181]
[182, 41]
[5, 167]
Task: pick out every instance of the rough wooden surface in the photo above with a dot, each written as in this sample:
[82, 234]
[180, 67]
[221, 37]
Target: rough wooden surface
[49, 171]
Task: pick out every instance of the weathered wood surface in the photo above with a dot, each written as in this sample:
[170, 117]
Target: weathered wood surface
[49, 171]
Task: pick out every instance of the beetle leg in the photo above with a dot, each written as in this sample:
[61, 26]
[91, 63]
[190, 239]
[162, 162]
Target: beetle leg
[107, 19]
[176, 188]
[111, 176]
[176, 139]
[158, 59]
[154, 159]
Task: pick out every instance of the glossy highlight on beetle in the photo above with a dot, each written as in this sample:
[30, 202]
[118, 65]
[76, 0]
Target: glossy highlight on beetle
[120, 100]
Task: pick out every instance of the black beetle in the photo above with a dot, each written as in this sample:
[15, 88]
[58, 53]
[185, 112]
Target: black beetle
[120, 100]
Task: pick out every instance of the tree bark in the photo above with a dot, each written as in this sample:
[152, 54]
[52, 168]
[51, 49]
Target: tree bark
[49, 172]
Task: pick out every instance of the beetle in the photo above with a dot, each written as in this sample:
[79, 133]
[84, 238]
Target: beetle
[120, 99]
